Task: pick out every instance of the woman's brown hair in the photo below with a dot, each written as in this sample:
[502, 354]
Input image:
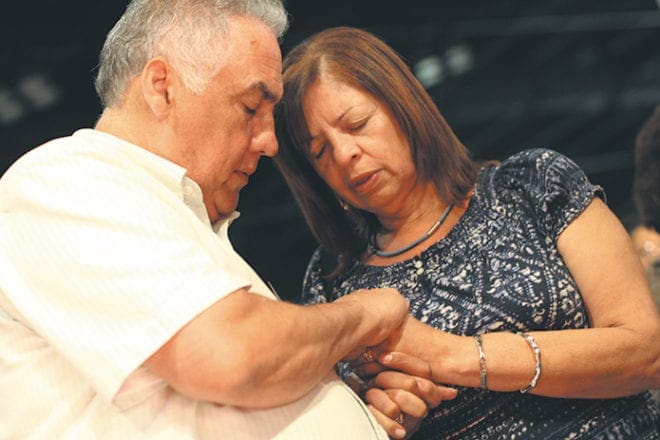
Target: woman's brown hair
[362, 60]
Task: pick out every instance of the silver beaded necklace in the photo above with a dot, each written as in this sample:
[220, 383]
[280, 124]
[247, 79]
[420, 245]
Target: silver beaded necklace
[374, 246]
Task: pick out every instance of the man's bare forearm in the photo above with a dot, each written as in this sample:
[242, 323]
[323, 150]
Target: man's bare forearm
[251, 351]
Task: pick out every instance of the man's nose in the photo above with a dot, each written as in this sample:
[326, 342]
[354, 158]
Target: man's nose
[268, 145]
[265, 141]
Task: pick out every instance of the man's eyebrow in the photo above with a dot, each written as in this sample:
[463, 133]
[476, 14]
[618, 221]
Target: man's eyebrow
[266, 94]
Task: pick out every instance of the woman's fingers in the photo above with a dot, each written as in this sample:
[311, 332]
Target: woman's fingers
[369, 370]
[401, 401]
[391, 427]
[406, 363]
[397, 379]
[399, 412]
[433, 393]
[408, 403]
[382, 401]
[430, 392]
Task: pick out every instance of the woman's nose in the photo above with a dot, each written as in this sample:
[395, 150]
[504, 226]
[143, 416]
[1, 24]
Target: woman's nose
[346, 149]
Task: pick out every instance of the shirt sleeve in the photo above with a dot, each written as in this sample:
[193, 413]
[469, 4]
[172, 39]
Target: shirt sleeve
[557, 190]
[564, 192]
[104, 264]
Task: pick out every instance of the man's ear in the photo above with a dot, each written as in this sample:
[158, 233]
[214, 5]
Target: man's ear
[157, 80]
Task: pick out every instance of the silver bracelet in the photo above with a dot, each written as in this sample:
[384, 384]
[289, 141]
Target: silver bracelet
[537, 358]
[482, 361]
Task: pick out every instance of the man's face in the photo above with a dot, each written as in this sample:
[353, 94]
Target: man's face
[221, 134]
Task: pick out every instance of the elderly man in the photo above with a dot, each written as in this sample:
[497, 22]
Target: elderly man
[124, 310]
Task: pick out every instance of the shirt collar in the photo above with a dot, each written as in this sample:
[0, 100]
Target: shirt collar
[167, 172]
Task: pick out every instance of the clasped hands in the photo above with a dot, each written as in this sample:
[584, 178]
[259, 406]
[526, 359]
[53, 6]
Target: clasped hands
[397, 388]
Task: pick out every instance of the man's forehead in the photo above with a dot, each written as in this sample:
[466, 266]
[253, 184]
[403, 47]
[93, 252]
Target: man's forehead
[254, 60]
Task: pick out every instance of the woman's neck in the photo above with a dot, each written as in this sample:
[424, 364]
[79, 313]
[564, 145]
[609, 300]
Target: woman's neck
[426, 219]
[418, 211]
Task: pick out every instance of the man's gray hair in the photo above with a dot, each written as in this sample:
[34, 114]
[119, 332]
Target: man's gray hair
[185, 32]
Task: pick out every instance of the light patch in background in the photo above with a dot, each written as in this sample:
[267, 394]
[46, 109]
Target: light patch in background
[32, 93]
[460, 59]
[11, 109]
[456, 60]
[429, 71]
[39, 91]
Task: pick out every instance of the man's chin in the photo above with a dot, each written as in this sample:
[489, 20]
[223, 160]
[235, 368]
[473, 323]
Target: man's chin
[224, 208]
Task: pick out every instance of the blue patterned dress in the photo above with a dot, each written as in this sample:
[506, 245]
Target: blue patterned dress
[499, 269]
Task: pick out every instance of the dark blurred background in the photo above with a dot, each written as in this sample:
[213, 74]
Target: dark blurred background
[578, 76]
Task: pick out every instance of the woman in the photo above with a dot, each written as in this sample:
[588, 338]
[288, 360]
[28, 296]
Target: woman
[525, 291]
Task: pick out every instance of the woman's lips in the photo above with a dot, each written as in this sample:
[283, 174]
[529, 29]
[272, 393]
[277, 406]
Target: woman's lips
[363, 182]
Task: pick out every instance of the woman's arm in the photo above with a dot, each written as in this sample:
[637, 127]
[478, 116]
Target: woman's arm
[618, 356]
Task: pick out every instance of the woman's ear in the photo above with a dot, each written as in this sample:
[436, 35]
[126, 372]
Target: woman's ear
[157, 80]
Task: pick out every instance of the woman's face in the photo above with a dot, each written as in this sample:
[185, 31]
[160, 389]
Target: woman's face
[357, 147]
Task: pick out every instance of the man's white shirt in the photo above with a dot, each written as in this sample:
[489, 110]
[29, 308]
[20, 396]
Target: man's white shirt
[106, 251]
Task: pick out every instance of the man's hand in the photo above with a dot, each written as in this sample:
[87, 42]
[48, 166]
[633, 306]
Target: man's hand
[383, 313]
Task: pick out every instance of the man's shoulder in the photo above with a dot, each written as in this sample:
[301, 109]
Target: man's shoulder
[66, 152]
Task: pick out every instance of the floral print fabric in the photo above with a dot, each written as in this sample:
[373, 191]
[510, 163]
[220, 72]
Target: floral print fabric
[499, 269]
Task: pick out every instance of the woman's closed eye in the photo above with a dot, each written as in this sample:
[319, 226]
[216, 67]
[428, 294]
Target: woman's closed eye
[359, 125]
[317, 152]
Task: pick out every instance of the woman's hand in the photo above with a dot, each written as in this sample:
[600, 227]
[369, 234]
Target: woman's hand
[399, 401]
[398, 411]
